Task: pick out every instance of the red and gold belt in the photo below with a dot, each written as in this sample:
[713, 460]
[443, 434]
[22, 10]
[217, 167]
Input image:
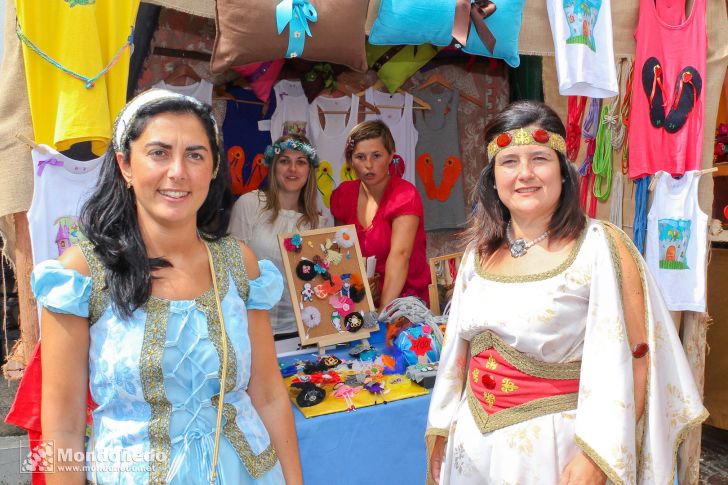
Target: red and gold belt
[506, 387]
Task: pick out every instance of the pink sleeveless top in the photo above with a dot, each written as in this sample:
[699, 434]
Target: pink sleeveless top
[666, 118]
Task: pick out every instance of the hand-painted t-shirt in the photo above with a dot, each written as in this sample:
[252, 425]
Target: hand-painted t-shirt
[244, 142]
[400, 198]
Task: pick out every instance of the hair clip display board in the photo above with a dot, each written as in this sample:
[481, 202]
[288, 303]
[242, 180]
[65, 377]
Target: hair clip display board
[328, 285]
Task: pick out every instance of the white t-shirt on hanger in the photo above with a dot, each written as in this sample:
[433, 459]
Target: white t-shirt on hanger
[400, 123]
[291, 114]
[329, 141]
[201, 90]
[584, 50]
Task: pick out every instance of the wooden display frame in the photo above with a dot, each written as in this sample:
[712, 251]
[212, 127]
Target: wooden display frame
[325, 334]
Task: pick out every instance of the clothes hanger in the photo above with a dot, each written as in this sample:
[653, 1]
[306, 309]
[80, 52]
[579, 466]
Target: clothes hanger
[31, 143]
[347, 90]
[421, 103]
[182, 71]
[220, 93]
[698, 173]
[439, 79]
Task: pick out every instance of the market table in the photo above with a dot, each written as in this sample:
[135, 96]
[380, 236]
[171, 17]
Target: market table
[375, 445]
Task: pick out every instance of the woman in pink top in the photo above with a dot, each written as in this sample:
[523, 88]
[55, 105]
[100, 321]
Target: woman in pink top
[387, 213]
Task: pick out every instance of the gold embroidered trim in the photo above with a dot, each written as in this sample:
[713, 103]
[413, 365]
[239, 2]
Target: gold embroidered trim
[531, 277]
[150, 369]
[437, 432]
[257, 465]
[99, 299]
[227, 258]
[596, 458]
[681, 437]
[609, 230]
[527, 365]
[234, 262]
[430, 436]
[517, 414]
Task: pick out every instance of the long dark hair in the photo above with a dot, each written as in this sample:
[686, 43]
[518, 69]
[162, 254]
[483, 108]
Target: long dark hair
[487, 227]
[109, 217]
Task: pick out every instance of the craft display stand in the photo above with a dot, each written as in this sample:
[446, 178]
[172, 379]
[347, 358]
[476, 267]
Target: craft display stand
[325, 334]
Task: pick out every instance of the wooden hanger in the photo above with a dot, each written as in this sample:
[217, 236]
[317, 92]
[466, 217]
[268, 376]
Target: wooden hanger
[698, 173]
[420, 103]
[438, 78]
[182, 71]
[220, 93]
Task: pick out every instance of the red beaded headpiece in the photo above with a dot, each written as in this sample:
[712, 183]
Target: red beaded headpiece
[522, 136]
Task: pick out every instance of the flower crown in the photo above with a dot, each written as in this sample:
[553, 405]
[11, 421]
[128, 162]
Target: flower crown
[522, 136]
[275, 149]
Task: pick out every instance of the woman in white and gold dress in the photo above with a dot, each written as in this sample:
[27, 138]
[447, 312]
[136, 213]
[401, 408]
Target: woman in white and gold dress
[561, 364]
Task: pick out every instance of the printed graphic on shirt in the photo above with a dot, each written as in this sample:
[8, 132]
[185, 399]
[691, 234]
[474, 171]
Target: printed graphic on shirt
[581, 15]
[450, 174]
[397, 166]
[674, 240]
[347, 173]
[294, 128]
[73, 3]
[68, 233]
[325, 181]
[246, 177]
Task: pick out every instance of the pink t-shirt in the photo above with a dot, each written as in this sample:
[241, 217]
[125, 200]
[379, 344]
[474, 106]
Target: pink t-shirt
[400, 199]
[667, 132]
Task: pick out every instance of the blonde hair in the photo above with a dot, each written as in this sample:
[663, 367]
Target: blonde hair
[307, 197]
[369, 130]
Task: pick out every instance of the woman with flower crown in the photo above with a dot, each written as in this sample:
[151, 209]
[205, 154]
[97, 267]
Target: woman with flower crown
[287, 205]
[561, 364]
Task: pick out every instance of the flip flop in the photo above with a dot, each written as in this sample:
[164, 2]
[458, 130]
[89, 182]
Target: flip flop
[655, 91]
[687, 91]
[425, 169]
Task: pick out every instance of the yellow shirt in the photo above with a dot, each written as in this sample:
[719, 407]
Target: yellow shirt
[82, 36]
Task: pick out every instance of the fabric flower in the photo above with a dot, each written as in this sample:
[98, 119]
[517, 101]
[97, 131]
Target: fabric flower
[344, 238]
[420, 345]
[297, 240]
[288, 244]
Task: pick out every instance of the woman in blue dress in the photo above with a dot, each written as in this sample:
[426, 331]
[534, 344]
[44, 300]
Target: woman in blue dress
[154, 311]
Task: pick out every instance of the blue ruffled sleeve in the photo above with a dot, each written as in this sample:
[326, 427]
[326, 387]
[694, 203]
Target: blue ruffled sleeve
[266, 289]
[61, 290]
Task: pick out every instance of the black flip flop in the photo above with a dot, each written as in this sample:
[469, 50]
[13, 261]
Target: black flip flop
[652, 84]
[687, 90]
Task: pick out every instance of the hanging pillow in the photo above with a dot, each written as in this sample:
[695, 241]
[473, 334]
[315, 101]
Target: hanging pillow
[251, 31]
[395, 64]
[503, 27]
[413, 22]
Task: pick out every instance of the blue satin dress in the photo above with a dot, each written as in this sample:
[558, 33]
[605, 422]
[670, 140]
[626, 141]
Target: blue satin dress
[155, 377]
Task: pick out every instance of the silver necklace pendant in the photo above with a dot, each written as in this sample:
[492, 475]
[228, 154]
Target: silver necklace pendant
[518, 248]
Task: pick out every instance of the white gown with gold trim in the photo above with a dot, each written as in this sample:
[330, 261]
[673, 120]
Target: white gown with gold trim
[571, 313]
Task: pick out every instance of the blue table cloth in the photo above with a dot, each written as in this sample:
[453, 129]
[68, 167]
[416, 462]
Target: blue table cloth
[382, 444]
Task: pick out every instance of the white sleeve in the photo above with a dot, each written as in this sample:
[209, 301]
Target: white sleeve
[240, 224]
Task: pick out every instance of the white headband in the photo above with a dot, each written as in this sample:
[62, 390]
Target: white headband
[129, 112]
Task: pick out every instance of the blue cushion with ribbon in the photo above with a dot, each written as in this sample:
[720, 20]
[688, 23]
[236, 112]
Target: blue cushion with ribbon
[418, 340]
[500, 33]
[413, 22]
[295, 14]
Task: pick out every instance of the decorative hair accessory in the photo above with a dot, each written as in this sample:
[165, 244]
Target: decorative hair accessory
[310, 394]
[336, 321]
[342, 304]
[519, 247]
[320, 291]
[522, 136]
[306, 270]
[311, 318]
[320, 266]
[276, 149]
[330, 256]
[357, 292]
[344, 238]
[342, 391]
[293, 243]
[333, 284]
[354, 322]
[307, 292]
[128, 114]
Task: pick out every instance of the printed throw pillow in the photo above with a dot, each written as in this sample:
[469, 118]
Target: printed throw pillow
[413, 22]
[505, 25]
[402, 65]
[261, 76]
[247, 32]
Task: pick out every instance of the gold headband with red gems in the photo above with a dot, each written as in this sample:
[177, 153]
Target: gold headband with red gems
[522, 136]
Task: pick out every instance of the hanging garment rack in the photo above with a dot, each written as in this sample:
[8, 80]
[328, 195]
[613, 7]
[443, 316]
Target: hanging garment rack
[439, 79]
[653, 183]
